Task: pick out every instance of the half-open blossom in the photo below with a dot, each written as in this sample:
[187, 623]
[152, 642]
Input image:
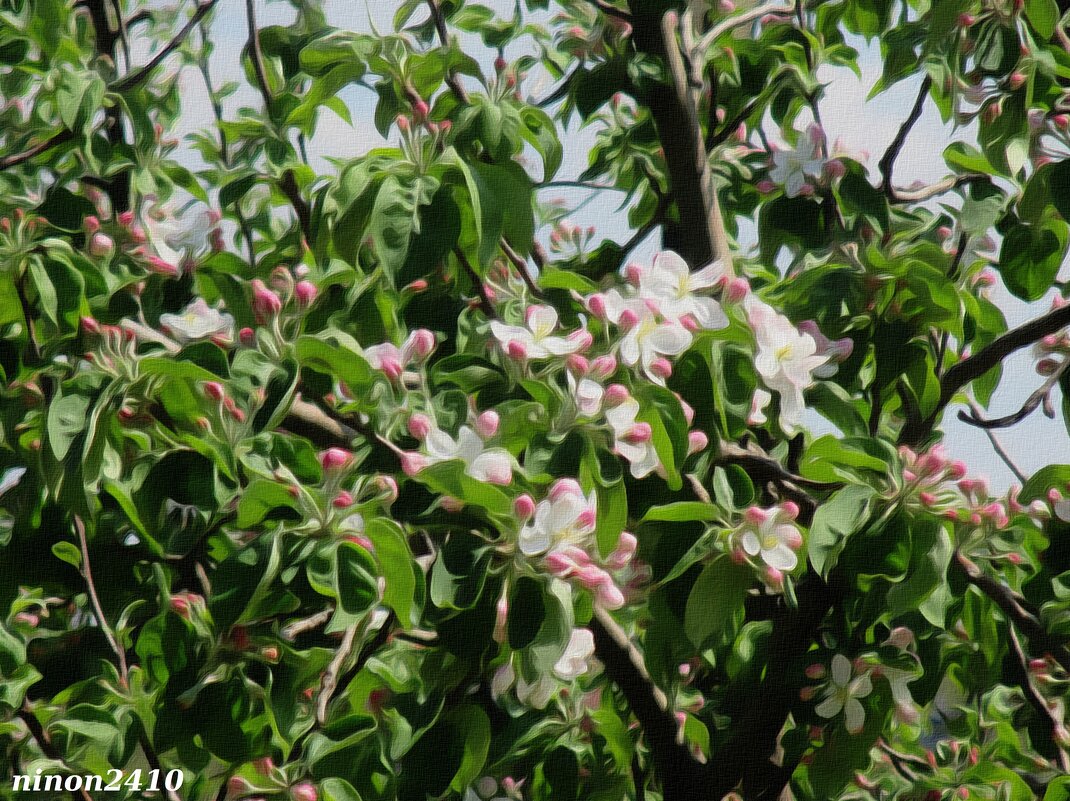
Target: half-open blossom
[794, 168]
[180, 237]
[393, 360]
[647, 337]
[587, 394]
[843, 693]
[198, 321]
[536, 337]
[565, 518]
[671, 286]
[575, 661]
[266, 304]
[772, 535]
[630, 439]
[494, 465]
[835, 350]
[786, 360]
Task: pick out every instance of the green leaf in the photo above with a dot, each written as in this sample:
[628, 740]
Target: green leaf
[715, 606]
[472, 727]
[68, 552]
[398, 568]
[834, 521]
[66, 421]
[1052, 475]
[1043, 15]
[449, 478]
[355, 579]
[682, 511]
[233, 191]
[1031, 256]
[260, 499]
[1058, 789]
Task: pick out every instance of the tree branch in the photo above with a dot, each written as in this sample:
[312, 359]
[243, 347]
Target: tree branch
[288, 185]
[611, 10]
[256, 54]
[132, 79]
[679, 772]
[997, 446]
[87, 573]
[1031, 404]
[967, 370]
[444, 38]
[330, 677]
[750, 15]
[1014, 608]
[931, 191]
[887, 162]
[44, 742]
[1033, 696]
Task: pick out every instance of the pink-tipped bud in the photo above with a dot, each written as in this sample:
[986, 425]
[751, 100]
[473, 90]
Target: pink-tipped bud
[564, 488]
[306, 293]
[422, 342]
[966, 20]
[420, 110]
[639, 433]
[126, 217]
[603, 366]
[343, 500]
[524, 507]
[500, 63]
[266, 304]
[265, 766]
[815, 671]
[616, 394]
[420, 426]
[559, 564]
[582, 338]
[697, 441]
[516, 351]
[412, 462]
[214, 390]
[391, 367]
[335, 459]
[161, 267]
[586, 519]
[623, 553]
[927, 499]
[305, 791]
[774, 578]
[755, 516]
[487, 424]
[387, 485]
[835, 169]
[501, 617]
[90, 325]
[807, 694]
[790, 509]
[100, 244]
[628, 319]
[726, 6]
[92, 224]
[609, 596]
[596, 305]
[403, 123]
[736, 290]
[661, 367]
[1016, 80]
[684, 669]
[578, 364]
[633, 273]
[417, 286]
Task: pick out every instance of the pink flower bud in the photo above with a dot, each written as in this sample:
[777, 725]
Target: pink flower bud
[586, 519]
[623, 553]
[661, 367]
[343, 500]
[684, 670]
[422, 342]
[100, 244]
[161, 267]
[1016, 80]
[582, 338]
[807, 694]
[335, 459]
[92, 224]
[815, 671]
[90, 325]
[774, 577]
[516, 351]
[420, 110]
[559, 564]
[266, 304]
[126, 217]
[420, 426]
[596, 305]
[726, 6]
[264, 766]
[638, 433]
[306, 293]
[403, 123]
[755, 516]
[609, 596]
[305, 791]
[417, 286]
[214, 390]
[835, 169]
[632, 274]
[697, 441]
[1061, 120]
[927, 498]
[487, 424]
[616, 394]
[628, 319]
[388, 486]
[524, 507]
[736, 290]
[578, 364]
[966, 20]
[412, 462]
[501, 616]
[603, 366]
[765, 186]
[565, 487]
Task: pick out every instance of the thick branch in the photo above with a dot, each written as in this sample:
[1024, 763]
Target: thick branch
[288, 185]
[680, 774]
[975, 366]
[887, 162]
[743, 18]
[15, 159]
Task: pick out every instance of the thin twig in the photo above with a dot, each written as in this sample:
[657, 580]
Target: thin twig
[134, 78]
[1031, 404]
[36, 150]
[1032, 694]
[742, 18]
[256, 54]
[444, 39]
[611, 10]
[87, 573]
[330, 677]
[291, 631]
[521, 267]
[1000, 450]
[887, 162]
[484, 299]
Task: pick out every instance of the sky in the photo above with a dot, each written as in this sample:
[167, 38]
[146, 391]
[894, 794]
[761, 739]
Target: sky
[862, 127]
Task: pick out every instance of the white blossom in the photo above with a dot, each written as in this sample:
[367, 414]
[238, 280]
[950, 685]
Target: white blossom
[786, 360]
[794, 168]
[575, 661]
[567, 517]
[770, 535]
[198, 321]
[536, 335]
[670, 286]
[638, 450]
[843, 693]
[494, 465]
